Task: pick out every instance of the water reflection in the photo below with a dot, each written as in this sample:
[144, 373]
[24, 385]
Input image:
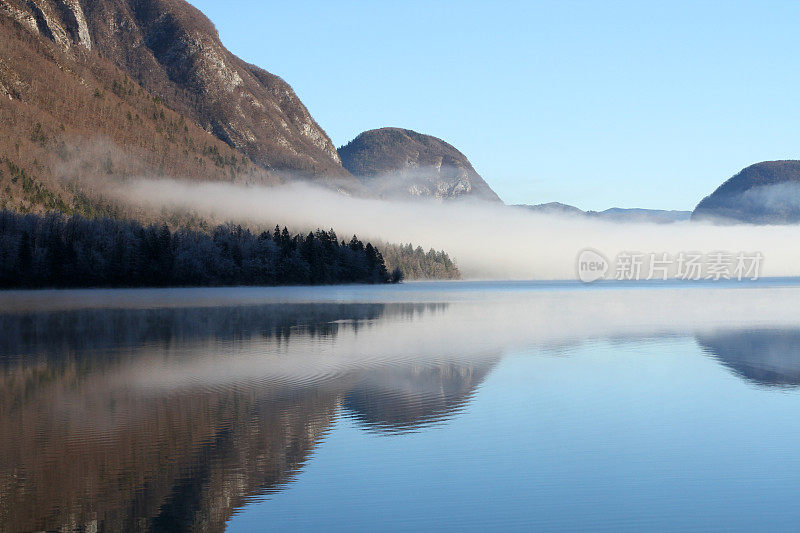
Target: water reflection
[126, 416]
[171, 419]
[766, 357]
[410, 397]
[85, 332]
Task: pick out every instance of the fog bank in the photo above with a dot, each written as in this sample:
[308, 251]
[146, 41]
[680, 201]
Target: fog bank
[487, 240]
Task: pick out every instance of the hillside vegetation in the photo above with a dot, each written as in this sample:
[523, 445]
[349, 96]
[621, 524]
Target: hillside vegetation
[70, 118]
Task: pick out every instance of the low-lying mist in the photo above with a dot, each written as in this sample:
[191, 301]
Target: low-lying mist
[488, 241]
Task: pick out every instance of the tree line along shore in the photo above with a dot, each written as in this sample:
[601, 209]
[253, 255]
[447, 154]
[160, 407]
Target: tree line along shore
[58, 251]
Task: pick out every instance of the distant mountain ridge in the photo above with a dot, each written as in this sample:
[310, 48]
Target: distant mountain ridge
[763, 193]
[615, 214]
[399, 162]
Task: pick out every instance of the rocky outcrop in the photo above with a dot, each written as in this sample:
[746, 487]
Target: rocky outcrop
[764, 193]
[61, 21]
[395, 162]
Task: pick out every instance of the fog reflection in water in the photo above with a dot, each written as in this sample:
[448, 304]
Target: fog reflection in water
[171, 418]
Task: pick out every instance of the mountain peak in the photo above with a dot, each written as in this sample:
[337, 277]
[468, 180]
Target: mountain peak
[396, 161]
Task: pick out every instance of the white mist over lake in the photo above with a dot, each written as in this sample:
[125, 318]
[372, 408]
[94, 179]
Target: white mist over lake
[488, 241]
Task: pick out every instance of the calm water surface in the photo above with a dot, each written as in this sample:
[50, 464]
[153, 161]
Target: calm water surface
[547, 406]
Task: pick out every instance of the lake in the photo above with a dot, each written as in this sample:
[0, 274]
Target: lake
[440, 405]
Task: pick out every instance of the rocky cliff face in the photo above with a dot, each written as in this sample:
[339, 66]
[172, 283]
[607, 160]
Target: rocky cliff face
[61, 21]
[764, 193]
[394, 161]
[174, 51]
[171, 51]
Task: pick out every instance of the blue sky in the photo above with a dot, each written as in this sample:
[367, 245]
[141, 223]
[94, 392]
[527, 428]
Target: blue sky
[596, 104]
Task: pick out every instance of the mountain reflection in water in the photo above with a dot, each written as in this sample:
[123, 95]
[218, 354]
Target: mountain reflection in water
[170, 419]
[173, 415]
[769, 357]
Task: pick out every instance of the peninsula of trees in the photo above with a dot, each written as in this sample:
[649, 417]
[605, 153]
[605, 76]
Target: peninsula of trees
[57, 251]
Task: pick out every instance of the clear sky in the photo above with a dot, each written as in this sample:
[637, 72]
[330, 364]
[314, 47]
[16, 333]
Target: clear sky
[595, 104]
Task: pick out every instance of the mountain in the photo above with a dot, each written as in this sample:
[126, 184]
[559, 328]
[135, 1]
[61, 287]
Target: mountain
[92, 89]
[397, 162]
[174, 51]
[659, 216]
[553, 208]
[764, 193]
[614, 214]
